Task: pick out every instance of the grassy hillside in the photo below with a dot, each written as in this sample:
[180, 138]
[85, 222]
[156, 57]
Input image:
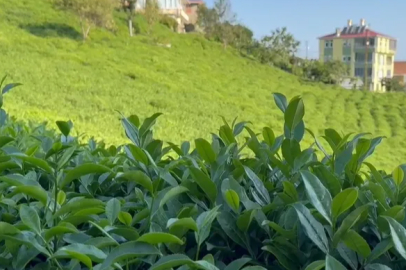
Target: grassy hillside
[192, 83]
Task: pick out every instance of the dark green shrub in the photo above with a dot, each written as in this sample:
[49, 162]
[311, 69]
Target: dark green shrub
[143, 205]
[169, 22]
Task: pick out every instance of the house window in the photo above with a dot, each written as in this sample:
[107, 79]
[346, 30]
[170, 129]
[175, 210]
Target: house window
[389, 60]
[389, 73]
[347, 43]
[380, 74]
[392, 45]
[360, 57]
[346, 58]
[327, 58]
[360, 72]
[329, 44]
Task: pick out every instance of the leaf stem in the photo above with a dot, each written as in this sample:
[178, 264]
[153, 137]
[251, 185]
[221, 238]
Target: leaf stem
[197, 253]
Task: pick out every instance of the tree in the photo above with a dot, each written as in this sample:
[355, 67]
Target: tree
[393, 85]
[129, 7]
[218, 22]
[280, 47]
[331, 72]
[92, 13]
[224, 11]
[208, 20]
[152, 13]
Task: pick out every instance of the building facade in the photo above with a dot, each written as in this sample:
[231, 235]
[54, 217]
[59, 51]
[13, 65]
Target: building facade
[191, 7]
[172, 8]
[400, 72]
[368, 54]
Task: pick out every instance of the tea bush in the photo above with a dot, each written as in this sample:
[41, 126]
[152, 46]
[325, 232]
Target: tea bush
[67, 205]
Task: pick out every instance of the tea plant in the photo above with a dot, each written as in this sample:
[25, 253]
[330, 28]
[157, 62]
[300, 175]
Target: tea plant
[144, 205]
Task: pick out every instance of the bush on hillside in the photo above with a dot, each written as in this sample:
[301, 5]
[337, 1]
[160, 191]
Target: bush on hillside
[91, 13]
[169, 22]
[143, 205]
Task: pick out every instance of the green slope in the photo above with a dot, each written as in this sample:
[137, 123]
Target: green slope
[192, 83]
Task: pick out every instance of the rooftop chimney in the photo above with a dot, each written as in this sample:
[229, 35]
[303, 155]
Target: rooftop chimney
[362, 22]
[349, 23]
[338, 32]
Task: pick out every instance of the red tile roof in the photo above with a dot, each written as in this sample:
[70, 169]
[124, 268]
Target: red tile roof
[400, 68]
[367, 33]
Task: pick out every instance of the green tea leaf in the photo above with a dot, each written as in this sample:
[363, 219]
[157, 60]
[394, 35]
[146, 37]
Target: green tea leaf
[205, 150]
[290, 190]
[148, 124]
[205, 183]
[187, 223]
[398, 175]
[61, 197]
[171, 261]
[24, 256]
[125, 218]
[283, 260]
[280, 101]
[82, 170]
[92, 252]
[204, 221]
[357, 243]
[290, 234]
[30, 218]
[259, 186]
[136, 153]
[294, 113]
[139, 178]
[232, 199]
[66, 157]
[269, 136]
[317, 194]
[380, 249]
[237, 264]
[317, 265]
[77, 205]
[154, 238]
[343, 201]
[333, 264]
[398, 234]
[204, 265]
[58, 230]
[377, 266]
[131, 130]
[37, 193]
[40, 163]
[64, 127]
[80, 257]
[8, 229]
[348, 223]
[172, 193]
[5, 140]
[128, 250]
[113, 208]
[313, 228]
[245, 219]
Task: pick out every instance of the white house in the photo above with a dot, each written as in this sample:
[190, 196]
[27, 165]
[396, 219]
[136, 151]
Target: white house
[173, 8]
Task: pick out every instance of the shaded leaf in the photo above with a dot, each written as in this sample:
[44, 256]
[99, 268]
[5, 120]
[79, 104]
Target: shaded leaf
[313, 228]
